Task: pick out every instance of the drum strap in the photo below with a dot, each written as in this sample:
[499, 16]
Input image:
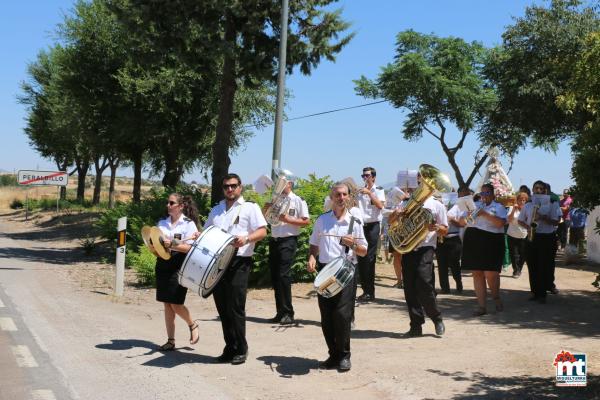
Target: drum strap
[350, 228]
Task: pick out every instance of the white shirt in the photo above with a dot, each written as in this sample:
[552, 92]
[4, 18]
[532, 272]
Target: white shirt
[297, 209]
[484, 224]
[180, 229]
[329, 246]
[514, 229]
[368, 209]
[441, 218]
[552, 210]
[456, 213]
[241, 219]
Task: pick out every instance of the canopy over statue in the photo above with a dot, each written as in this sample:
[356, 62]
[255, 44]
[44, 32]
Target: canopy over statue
[494, 174]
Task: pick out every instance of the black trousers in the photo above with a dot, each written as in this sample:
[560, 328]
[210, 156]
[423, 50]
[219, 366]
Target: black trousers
[517, 249]
[366, 264]
[230, 299]
[336, 317]
[281, 258]
[419, 293]
[540, 261]
[448, 256]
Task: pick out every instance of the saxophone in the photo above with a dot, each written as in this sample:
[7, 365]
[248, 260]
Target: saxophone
[533, 225]
[411, 227]
[280, 202]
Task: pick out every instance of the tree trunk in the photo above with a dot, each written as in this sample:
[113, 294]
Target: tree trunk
[98, 182]
[137, 176]
[172, 176]
[82, 170]
[113, 163]
[220, 148]
[62, 166]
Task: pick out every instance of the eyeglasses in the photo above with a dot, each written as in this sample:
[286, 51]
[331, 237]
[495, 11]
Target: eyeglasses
[485, 193]
[171, 203]
[233, 186]
[365, 175]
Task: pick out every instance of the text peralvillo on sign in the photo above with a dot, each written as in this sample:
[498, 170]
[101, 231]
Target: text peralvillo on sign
[43, 178]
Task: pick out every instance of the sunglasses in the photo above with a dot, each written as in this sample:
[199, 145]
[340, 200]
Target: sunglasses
[485, 193]
[171, 203]
[233, 186]
[365, 175]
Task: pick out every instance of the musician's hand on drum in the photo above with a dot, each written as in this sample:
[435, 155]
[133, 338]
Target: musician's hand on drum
[240, 241]
[347, 240]
[196, 235]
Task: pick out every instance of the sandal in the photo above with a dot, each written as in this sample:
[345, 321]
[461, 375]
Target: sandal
[193, 327]
[479, 311]
[499, 305]
[169, 346]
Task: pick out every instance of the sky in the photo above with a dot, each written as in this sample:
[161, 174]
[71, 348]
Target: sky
[338, 144]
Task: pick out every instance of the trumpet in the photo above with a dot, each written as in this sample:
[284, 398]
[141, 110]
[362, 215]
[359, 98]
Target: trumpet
[473, 216]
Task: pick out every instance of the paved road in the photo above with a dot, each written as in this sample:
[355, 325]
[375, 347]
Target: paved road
[58, 342]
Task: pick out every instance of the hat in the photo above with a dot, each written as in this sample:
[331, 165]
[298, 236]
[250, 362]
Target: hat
[407, 179]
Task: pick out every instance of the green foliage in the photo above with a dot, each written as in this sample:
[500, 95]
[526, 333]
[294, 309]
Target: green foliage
[313, 190]
[16, 204]
[88, 244]
[143, 262]
[8, 180]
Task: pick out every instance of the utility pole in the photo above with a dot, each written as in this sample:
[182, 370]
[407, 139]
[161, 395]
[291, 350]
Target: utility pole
[280, 90]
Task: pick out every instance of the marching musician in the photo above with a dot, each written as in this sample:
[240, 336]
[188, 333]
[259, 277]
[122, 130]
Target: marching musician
[325, 246]
[246, 222]
[282, 251]
[371, 200]
[483, 249]
[180, 224]
[543, 219]
[417, 269]
[449, 250]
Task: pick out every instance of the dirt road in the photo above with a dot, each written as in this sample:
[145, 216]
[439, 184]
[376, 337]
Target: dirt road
[101, 347]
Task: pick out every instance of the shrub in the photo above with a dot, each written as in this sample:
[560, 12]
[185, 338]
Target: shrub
[16, 204]
[8, 180]
[88, 245]
[142, 262]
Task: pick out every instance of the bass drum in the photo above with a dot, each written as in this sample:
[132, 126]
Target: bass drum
[207, 261]
[334, 276]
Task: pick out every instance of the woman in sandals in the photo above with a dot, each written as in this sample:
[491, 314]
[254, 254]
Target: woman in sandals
[180, 224]
[483, 248]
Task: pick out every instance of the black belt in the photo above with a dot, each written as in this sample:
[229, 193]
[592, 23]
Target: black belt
[370, 223]
[280, 239]
[452, 235]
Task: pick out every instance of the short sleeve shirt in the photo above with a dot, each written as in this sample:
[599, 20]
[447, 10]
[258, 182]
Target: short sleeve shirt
[455, 213]
[241, 219]
[440, 217]
[369, 210]
[493, 208]
[298, 209]
[551, 210]
[180, 229]
[329, 246]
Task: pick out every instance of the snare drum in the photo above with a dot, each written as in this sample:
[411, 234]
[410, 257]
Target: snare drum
[207, 261]
[334, 276]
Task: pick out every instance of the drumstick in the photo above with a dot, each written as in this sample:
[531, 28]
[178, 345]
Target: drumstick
[328, 234]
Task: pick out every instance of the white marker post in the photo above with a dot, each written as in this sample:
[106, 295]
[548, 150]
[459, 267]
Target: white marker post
[120, 259]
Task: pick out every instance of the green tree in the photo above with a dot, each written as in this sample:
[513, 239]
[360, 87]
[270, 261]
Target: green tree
[440, 82]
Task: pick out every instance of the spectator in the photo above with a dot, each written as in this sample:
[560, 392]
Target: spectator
[563, 226]
[578, 218]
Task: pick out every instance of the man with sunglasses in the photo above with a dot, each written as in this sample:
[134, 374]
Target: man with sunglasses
[245, 221]
[371, 200]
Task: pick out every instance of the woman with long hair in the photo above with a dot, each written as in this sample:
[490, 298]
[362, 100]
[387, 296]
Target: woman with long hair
[177, 228]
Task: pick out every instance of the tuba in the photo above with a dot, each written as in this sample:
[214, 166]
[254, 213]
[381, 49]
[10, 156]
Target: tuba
[411, 227]
[280, 202]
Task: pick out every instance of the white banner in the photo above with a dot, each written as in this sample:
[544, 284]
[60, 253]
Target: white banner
[43, 178]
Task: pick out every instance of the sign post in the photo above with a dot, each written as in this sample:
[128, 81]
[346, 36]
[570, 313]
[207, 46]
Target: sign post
[120, 259]
[42, 178]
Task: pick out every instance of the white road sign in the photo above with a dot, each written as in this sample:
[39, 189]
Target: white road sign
[43, 178]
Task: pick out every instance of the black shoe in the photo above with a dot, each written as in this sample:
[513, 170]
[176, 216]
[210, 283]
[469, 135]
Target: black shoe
[439, 327]
[345, 365]
[554, 290]
[276, 318]
[365, 298]
[239, 358]
[415, 331]
[459, 287]
[287, 320]
[330, 363]
[445, 291]
[224, 358]
[516, 274]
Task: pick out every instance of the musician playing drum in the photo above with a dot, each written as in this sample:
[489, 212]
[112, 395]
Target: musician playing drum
[178, 225]
[245, 221]
[282, 251]
[325, 246]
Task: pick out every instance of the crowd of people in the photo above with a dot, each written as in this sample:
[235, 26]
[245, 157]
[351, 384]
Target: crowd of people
[471, 232]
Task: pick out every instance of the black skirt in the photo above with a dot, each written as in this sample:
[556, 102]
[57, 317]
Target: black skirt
[482, 250]
[168, 289]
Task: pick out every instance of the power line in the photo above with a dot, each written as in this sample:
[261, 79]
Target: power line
[321, 113]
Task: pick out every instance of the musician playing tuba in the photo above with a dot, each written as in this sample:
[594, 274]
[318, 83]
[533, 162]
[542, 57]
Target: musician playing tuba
[414, 229]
